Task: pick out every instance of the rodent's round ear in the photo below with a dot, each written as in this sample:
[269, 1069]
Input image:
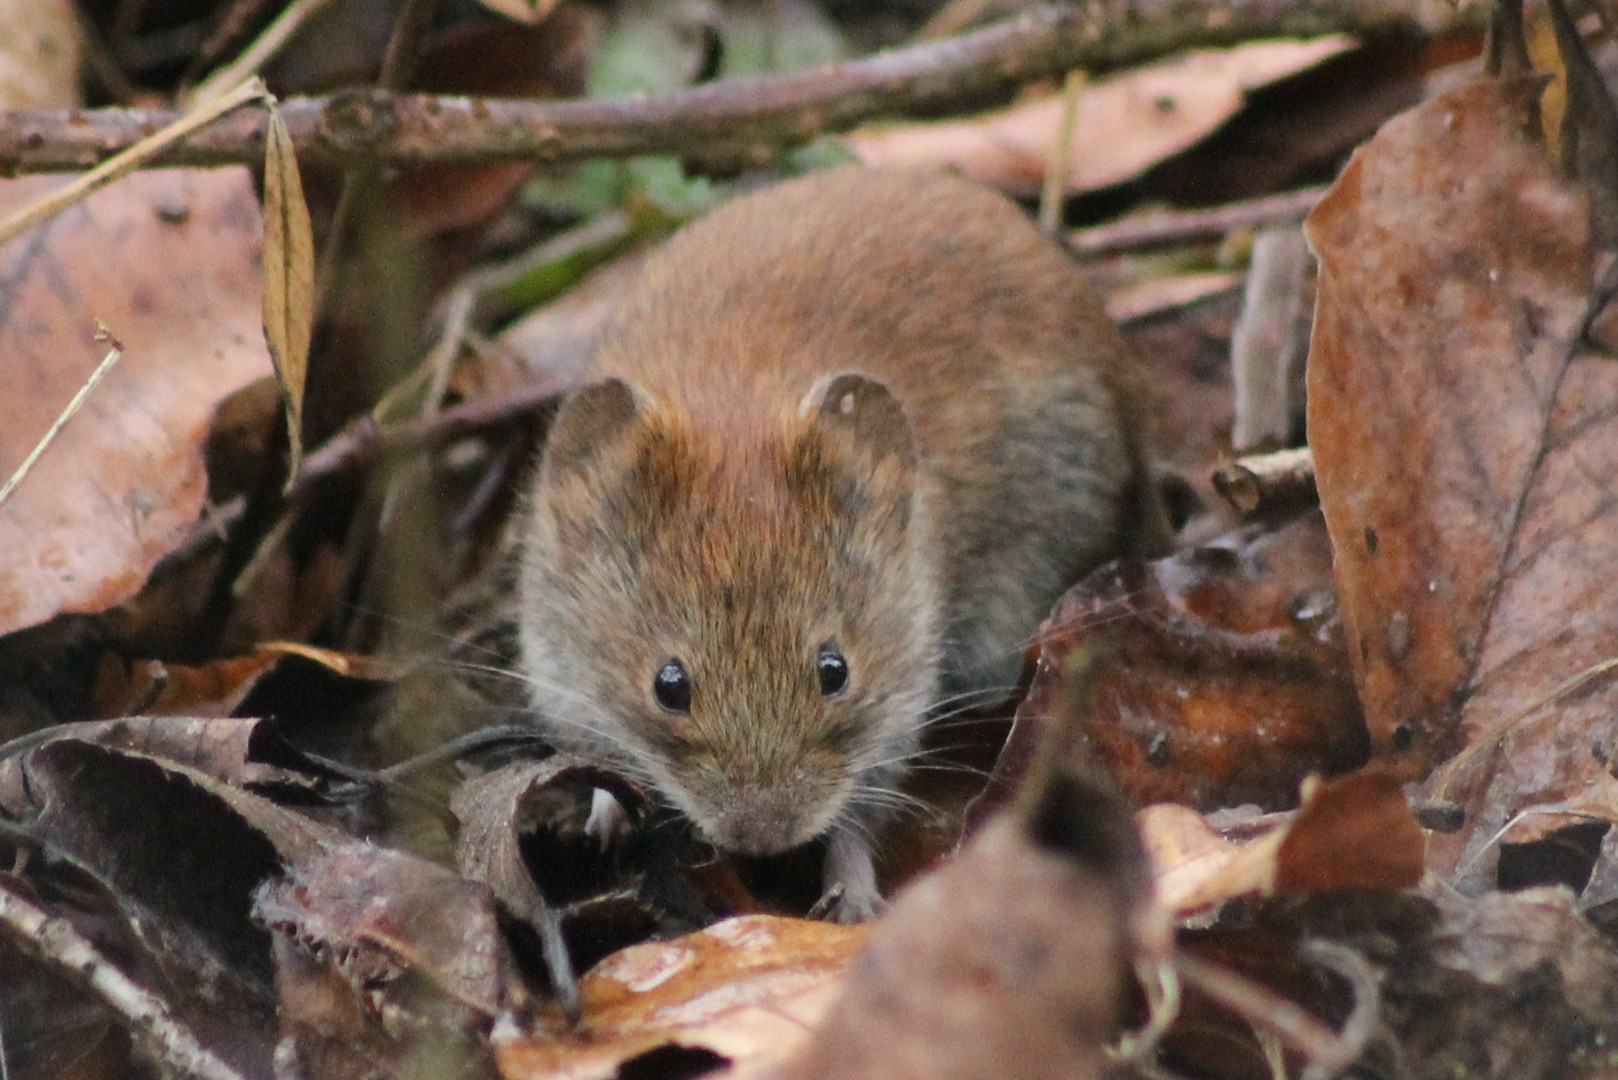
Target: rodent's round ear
[862, 410]
[587, 422]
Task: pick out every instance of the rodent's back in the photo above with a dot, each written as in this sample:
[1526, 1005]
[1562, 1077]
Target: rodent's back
[1020, 390]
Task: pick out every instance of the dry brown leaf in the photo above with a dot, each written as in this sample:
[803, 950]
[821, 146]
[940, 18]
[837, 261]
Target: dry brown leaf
[289, 278]
[523, 833]
[1353, 833]
[748, 990]
[1218, 675]
[170, 260]
[1462, 431]
[1357, 832]
[235, 752]
[215, 689]
[523, 11]
[39, 55]
[1009, 960]
[497, 809]
[1504, 986]
[418, 949]
[1196, 867]
[1126, 123]
[180, 854]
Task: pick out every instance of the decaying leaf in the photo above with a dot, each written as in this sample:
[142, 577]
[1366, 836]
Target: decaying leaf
[1022, 943]
[1353, 833]
[1462, 430]
[182, 880]
[498, 811]
[1212, 678]
[384, 961]
[1126, 123]
[217, 688]
[243, 754]
[746, 990]
[170, 260]
[525, 833]
[1498, 987]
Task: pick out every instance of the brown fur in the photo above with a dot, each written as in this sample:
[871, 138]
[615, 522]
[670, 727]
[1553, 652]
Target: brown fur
[726, 495]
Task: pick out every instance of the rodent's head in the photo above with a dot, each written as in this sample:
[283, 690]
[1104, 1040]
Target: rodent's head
[747, 617]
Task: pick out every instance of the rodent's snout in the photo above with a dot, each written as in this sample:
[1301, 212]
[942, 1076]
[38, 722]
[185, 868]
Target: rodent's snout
[752, 818]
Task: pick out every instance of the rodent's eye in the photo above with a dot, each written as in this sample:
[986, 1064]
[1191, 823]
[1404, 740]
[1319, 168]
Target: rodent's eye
[672, 687]
[833, 670]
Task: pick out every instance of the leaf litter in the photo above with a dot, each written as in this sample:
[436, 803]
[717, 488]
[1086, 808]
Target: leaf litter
[1403, 645]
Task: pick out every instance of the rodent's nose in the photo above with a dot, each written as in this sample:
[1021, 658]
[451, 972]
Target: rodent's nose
[763, 820]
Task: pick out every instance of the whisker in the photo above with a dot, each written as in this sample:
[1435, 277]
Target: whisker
[993, 694]
[1125, 613]
[852, 823]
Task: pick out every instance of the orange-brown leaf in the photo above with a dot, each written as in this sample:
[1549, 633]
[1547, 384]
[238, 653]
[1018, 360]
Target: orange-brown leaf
[1462, 430]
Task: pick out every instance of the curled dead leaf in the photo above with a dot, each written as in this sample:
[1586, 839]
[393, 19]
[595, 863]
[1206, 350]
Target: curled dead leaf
[747, 991]
[1213, 677]
[1353, 833]
[385, 958]
[1022, 942]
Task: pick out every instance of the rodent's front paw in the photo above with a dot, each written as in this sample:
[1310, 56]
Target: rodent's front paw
[852, 895]
[846, 906]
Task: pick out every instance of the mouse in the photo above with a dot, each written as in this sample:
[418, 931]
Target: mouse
[840, 447]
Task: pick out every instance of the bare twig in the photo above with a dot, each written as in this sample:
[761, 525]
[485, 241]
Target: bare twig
[1268, 343]
[740, 119]
[128, 159]
[364, 441]
[1189, 226]
[361, 443]
[263, 48]
[53, 941]
[233, 27]
[1263, 1008]
[1362, 1021]
[1267, 483]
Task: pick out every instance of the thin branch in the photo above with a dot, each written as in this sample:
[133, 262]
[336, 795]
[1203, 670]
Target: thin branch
[737, 119]
[363, 441]
[1263, 1008]
[1267, 484]
[54, 941]
[263, 48]
[1190, 226]
[127, 160]
[1270, 340]
[1363, 1021]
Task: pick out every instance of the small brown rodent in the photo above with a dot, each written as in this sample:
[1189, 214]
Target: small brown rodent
[848, 439]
